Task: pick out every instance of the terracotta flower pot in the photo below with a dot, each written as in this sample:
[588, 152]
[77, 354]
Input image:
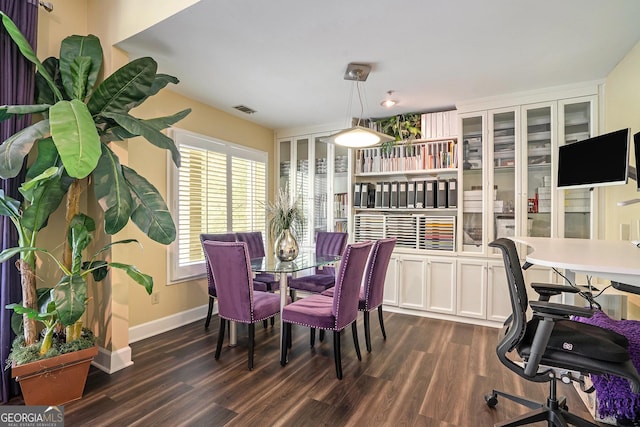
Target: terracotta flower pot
[56, 380]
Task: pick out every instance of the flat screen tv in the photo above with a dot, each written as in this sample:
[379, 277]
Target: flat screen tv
[601, 160]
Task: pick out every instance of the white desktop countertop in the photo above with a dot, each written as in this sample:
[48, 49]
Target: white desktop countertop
[617, 260]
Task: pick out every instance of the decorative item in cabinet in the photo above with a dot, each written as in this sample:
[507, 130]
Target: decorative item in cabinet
[417, 156]
[403, 227]
[341, 164]
[441, 124]
[472, 145]
[285, 168]
[368, 227]
[437, 233]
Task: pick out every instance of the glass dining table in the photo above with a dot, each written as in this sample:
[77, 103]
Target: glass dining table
[270, 264]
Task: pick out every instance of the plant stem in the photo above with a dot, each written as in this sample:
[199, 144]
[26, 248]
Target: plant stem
[29, 299]
[72, 209]
[47, 341]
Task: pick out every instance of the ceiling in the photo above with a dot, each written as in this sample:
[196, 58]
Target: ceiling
[286, 58]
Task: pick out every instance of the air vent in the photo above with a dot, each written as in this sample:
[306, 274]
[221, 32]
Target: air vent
[245, 109]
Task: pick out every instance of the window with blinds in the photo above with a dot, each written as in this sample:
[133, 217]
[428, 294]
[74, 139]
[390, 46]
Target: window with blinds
[220, 187]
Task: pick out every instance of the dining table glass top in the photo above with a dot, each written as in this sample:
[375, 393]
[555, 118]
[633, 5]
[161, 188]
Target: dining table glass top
[304, 261]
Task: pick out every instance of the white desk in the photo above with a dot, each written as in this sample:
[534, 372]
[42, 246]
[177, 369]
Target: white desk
[615, 260]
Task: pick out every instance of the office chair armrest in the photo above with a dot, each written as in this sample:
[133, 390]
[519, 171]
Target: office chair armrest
[552, 289]
[552, 309]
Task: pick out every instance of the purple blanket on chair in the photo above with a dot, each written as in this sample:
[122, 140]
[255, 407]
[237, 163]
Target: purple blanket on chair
[614, 394]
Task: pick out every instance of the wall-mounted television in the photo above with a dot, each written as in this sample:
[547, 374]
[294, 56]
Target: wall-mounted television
[601, 160]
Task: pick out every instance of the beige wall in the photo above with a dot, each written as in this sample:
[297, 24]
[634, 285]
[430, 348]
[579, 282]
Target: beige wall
[151, 162]
[622, 109]
[124, 304]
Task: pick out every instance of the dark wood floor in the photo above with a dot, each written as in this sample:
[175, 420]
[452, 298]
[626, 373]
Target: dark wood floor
[427, 373]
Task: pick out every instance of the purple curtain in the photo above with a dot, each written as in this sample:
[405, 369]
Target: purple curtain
[17, 82]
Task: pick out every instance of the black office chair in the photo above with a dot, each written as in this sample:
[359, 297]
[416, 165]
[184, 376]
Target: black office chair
[549, 347]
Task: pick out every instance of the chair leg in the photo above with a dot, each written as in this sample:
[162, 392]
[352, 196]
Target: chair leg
[321, 335]
[384, 334]
[273, 320]
[211, 301]
[367, 331]
[252, 336]
[292, 294]
[312, 335]
[354, 330]
[265, 323]
[223, 323]
[336, 354]
[285, 346]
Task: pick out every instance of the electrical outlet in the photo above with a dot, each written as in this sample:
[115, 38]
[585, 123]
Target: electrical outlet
[155, 298]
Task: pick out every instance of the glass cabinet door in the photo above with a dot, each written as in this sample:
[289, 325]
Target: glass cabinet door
[503, 126]
[538, 136]
[577, 123]
[472, 223]
[320, 188]
[340, 187]
[303, 190]
[284, 175]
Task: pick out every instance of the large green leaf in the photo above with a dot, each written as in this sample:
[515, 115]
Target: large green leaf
[70, 295]
[8, 205]
[151, 214]
[47, 157]
[46, 199]
[15, 149]
[28, 186]
[44, 298]
[159, 82]
[80, 68]
[112, 191]
[73, 47]
[27, 51]
[119, 92]
[75, 136]
[7, 111]
[133, 272]
[148, 131]
[44, 94]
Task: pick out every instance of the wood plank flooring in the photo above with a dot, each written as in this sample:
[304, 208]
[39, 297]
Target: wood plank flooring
[427, 373]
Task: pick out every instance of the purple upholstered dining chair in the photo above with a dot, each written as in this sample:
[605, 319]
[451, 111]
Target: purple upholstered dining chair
[372, 290]
[262, 281]
[224, 237]
[327, 243]
[237, 301]
[331, 313]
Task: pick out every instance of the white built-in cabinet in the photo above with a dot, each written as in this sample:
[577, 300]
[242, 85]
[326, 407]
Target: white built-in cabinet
[318, 175]
[441, 284]
[502, 158]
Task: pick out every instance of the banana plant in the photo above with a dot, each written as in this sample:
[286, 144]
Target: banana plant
[81, 117]
[68, 298]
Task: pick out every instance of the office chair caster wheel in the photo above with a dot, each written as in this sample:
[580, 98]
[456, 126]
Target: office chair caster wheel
[491, 399]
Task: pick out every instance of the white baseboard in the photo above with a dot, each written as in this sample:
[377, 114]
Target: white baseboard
[149, 329]
[112, 361]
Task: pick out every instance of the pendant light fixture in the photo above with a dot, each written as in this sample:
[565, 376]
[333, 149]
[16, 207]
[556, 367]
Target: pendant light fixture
[358, 136]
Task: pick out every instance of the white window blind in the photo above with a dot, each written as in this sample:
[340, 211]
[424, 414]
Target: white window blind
[220, 187]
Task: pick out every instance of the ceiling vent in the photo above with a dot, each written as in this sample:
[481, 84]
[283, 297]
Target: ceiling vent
[245, 109]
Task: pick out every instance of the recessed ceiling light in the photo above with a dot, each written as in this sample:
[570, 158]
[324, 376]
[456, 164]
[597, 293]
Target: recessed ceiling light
[388, 103]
